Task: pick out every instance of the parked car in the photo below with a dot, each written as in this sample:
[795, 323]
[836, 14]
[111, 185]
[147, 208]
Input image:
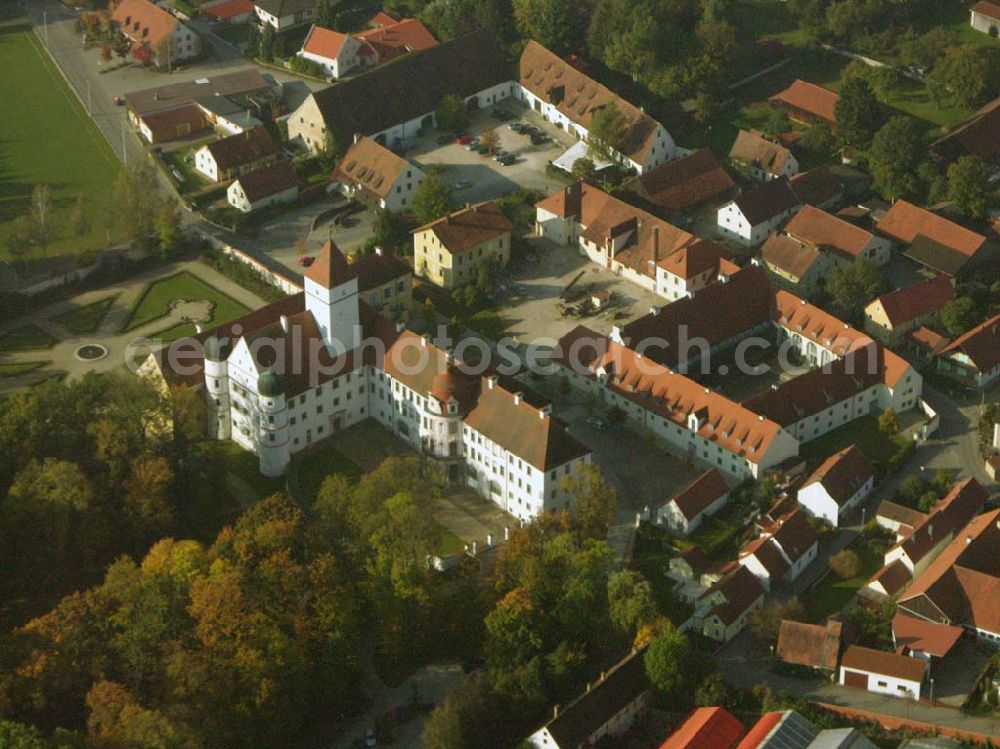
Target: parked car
[472, 144]
[538, 138]
[518, 127]
[306, 260]
[598, 424]
[508, 160]
[463, 184]
[463, 139]
[500, 154]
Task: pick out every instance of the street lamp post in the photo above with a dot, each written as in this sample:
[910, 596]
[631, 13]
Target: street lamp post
[932, 690]
[45, 24]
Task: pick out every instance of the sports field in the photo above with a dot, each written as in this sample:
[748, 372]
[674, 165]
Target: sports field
[47, 137]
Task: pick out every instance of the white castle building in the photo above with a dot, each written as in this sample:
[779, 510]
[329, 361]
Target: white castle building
[295, 372]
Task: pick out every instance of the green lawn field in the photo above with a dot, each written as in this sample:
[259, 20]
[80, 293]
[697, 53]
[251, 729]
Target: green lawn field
[155, 302]
[47, 137]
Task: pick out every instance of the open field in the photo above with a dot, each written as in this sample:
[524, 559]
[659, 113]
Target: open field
[156, 300]
[47, 138]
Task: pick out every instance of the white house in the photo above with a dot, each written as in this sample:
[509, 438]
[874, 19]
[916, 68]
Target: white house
[704, 497]
[229, 157]
[372, 173]
[157, 32]
[985, 17]
[750, 218]
[840, 483]
[883, 673]
[338, 54]
[844, 242]
[608, 708]
[796, 540]
[692, 268]
[283, 14]
[763, 159]
[257, 190]
[723, 611]
[763, 557]
[568, 98]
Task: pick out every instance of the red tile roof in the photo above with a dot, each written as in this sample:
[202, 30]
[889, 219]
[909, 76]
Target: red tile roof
[528, 432]
[685, 182]
[468, 227]
[702, 492]
[766, 551]
[371, 165]
[813, 645]
[893, 577]
[858, 658]
[143, 22]
[842, 474]
[820, 229]
[227, 9]
[330, 268]
[392, 40]
[241, 149]
[923, 636]
[810, 99]
[763, 202]
[695, 259]
[578, 96]
[904, 222]
[916, 300]
[952, 513]
[753, 149]
[981, 345]
[706, 728]
[268, 181]
[783, 253]
[977, 136]
[379, 268]
[324, 42]
[988, 9]
[741, 589]
[165, 124]
[795, 536]
[761, 730]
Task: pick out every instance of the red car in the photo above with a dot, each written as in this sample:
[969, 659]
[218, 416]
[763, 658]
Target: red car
[306, 260]
[464, 139]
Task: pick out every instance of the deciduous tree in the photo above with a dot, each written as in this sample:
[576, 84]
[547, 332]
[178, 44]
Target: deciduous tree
[845, 564]
[858, 113]
[432, 199]
[969, 186]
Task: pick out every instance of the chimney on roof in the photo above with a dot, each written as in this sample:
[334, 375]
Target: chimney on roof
[544, 411]
[654, 311]
[968, 540]
[491, 381]
[284, 323]
[517, 399]
[425, 339]
[400, 326]
[378, 250]
[555, 711]
[357, 137]
[156, 96]
[656, 244]
[468, 206]
[757, 261]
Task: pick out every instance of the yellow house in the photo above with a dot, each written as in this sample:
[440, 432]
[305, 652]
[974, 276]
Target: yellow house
[448, 251]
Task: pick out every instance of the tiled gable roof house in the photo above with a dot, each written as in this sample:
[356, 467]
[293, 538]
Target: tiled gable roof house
[153, 29]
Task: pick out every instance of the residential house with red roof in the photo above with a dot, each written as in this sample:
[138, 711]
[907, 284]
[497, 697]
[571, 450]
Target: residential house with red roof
[683, 184]
[973, 357]
[692, 268]
[262, 188]
[891, 580]
[228, 11]
[723, 610]
[761, 158]
[883, 673]
[618, 236]
[284, 14]
[706, 728]
[837, 486]
[155, 33]
[889, 317]
[795, 539]
[940, 245]
[812, 645]
[751, 217]
[339, 54]
[373, 174]
[923, 639]
[568, 98]
[794, 265]
[984, 16]
[450, 250]
[845, 242]
[235, 155]
[807, 102]
[701, 499]
[936, 530]
[977, 136]
[764, 559]
[961, 586]
[385, 282]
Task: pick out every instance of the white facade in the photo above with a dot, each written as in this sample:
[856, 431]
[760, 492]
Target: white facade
[817, 501]
[734, 225]
[984, 23]
[204, 163]
[662, 149]
[284, 21]
[399, 196]
[347, 58]
[672, 287]
[237, 198]
[893, 686]
[671, 516]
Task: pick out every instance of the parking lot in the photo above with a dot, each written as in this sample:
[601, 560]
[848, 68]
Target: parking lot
[487, 179]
